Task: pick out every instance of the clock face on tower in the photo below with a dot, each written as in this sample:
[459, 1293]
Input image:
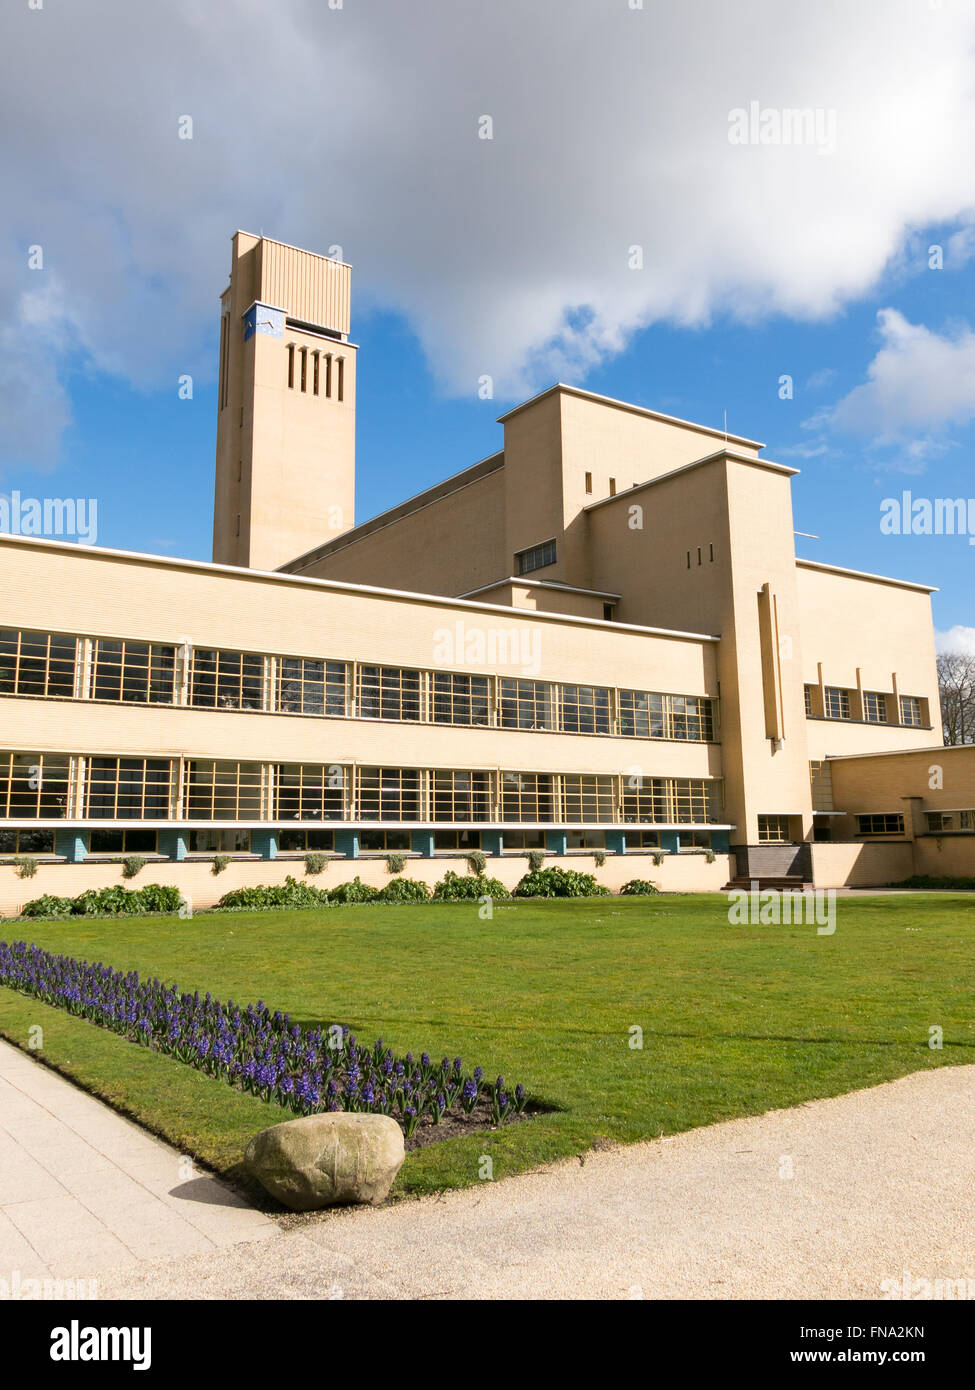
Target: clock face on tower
[261, 318]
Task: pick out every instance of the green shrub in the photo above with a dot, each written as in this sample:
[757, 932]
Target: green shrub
[709, 856]
[26, 865]
[125, 902]
[354, 892]
[455, 888]
[47, 906]
[159, 897]
[477, 861]
[600, 857]
[639, 888]
[315, 862]
[132, 864]
[220, 862]
[103, 902]
[658, 858]
[290, 893]
[536, 858]
[395, 863]
[404, 890]
[560, 883]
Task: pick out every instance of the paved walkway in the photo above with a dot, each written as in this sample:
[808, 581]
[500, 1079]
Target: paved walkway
[83, 1190]
[826, 1200]
[882, 1181]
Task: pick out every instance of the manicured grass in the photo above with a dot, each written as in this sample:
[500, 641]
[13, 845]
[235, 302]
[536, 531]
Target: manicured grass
[736, 1019]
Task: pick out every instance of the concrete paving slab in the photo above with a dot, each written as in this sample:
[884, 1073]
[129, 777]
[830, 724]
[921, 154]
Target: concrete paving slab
[83, 1190]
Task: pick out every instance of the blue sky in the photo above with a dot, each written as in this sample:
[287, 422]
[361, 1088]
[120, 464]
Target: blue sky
[507, 255]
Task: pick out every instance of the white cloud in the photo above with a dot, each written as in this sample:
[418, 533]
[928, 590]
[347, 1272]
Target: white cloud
[825, 376]
[358, 127]
[957, 639]
[918, 380]
[802, 451]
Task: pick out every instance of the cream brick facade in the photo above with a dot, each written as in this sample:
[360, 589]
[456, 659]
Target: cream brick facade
[598, 638]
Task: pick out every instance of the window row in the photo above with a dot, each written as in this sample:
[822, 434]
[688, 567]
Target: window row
[868, 706]
[46, 786]
[941, 821]
[210, 840]
[316, 372]
[51, 664]
[880, 824]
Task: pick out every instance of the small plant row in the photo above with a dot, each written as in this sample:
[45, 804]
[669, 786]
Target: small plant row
[265, 1054]
[155, 897]
[115, 901]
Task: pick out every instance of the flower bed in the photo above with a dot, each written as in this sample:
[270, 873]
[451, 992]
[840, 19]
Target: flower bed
[266, 1054]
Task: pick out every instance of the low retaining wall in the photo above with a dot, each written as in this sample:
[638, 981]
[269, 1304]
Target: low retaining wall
[861, 865]
[945, 856]
[679, 873]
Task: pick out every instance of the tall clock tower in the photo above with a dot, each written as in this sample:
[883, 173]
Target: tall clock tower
[285, 475]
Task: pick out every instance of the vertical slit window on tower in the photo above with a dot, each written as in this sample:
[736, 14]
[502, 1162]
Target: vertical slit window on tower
[589, 482]
[317, 356]
[304, 368]
[341, 390]
[223, 361]
[612, 487]
[328, 374]
[291, 365]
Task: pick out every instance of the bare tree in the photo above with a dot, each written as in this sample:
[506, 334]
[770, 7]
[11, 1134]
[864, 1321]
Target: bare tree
[956, 686]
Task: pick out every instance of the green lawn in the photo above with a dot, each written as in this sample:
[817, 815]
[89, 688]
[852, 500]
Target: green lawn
[736, 1019]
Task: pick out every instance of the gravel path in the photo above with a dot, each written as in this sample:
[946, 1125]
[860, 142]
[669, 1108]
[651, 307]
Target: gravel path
[826, 1200]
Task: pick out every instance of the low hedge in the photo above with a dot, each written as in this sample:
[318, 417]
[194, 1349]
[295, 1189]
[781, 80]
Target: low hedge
[457, 888]
[107, 902]
[290, 893]
[638, 888]
[560, 883]
[354, 892]
[404, 890]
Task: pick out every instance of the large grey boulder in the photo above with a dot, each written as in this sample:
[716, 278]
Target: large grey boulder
[327, 1160]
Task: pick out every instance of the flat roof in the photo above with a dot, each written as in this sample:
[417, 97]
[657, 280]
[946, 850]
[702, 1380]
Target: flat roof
[538, 584]
[319, 255]
[928, 749]
[628, 405]
[686, 468]
[865, 574]
[341, 586]
[435, 493]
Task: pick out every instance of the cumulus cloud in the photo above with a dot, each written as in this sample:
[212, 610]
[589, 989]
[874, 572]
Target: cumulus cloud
[918, 380]
[511, 256]
[957, 639]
